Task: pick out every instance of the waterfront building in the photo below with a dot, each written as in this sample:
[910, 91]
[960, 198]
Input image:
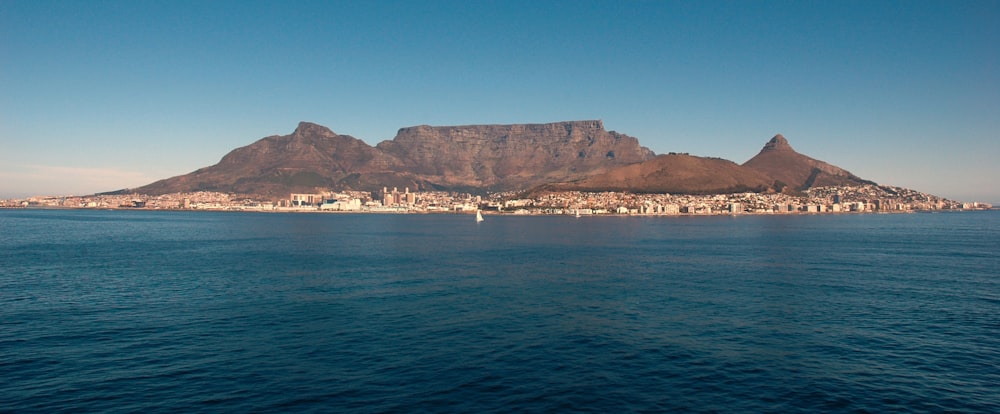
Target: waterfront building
[302, 200]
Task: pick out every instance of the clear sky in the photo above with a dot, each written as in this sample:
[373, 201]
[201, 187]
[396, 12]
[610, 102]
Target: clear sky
[103, 95]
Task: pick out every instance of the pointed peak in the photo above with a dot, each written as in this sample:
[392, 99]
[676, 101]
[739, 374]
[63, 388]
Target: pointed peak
[777, 143]
[305, 128]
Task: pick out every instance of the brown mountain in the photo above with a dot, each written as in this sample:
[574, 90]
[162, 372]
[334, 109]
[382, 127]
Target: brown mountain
[473, 157]
[675, 173]
[776, 168]
[311, 157]
[779, 161]
[577, 155]
[511, 157]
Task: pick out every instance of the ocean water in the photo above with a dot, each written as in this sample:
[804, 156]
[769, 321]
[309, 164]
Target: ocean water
[138, 311]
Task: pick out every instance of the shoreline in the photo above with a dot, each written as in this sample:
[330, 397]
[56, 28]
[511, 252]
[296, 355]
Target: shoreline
[492, 213]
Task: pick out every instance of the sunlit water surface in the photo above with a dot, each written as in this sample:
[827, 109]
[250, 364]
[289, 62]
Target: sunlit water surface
[242, 312]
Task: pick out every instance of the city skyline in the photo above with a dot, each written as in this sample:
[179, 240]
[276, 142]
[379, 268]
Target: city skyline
[110, 95]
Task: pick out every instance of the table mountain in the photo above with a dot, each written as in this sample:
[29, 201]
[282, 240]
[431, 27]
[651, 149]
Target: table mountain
[577, 155]
[511, 157]
[470, 158]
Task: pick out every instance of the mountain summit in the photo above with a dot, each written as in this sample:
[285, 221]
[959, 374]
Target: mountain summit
[778, 143]
[312, 156]
[779, 161]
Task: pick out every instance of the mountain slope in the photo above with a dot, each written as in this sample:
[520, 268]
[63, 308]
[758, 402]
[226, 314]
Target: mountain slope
[779, 161]
[312, 156]
[776, 168]
[674, 173]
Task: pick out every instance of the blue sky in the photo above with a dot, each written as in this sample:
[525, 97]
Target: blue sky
[103, 95]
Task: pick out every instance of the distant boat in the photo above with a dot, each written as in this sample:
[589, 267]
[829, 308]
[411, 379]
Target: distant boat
[577, 213]
[479, 216]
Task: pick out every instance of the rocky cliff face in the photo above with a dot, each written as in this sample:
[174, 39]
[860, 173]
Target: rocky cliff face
[474, 157]
[512, 156]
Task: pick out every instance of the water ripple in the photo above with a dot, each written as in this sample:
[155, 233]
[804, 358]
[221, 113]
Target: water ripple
[168, 312]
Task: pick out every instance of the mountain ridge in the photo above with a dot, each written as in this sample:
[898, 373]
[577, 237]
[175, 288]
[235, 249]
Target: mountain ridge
[471, 157]
[776, 168]
[569, 155]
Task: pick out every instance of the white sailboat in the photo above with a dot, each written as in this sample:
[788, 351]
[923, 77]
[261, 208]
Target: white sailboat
[479, 216]
[577, 213]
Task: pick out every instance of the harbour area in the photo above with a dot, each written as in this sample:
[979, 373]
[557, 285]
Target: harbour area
[818, 200]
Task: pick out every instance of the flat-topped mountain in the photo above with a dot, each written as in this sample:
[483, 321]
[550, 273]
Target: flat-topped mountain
[511, 156]
[472, 157]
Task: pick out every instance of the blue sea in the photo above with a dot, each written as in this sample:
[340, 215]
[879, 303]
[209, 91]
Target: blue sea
[145, 311]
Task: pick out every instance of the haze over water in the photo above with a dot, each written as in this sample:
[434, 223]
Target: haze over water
[181, 311]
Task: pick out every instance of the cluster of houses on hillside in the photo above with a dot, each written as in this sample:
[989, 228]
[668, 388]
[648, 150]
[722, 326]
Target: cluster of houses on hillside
[869, 198]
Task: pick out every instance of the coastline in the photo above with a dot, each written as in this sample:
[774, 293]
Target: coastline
[492, 213]
[818, 200]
